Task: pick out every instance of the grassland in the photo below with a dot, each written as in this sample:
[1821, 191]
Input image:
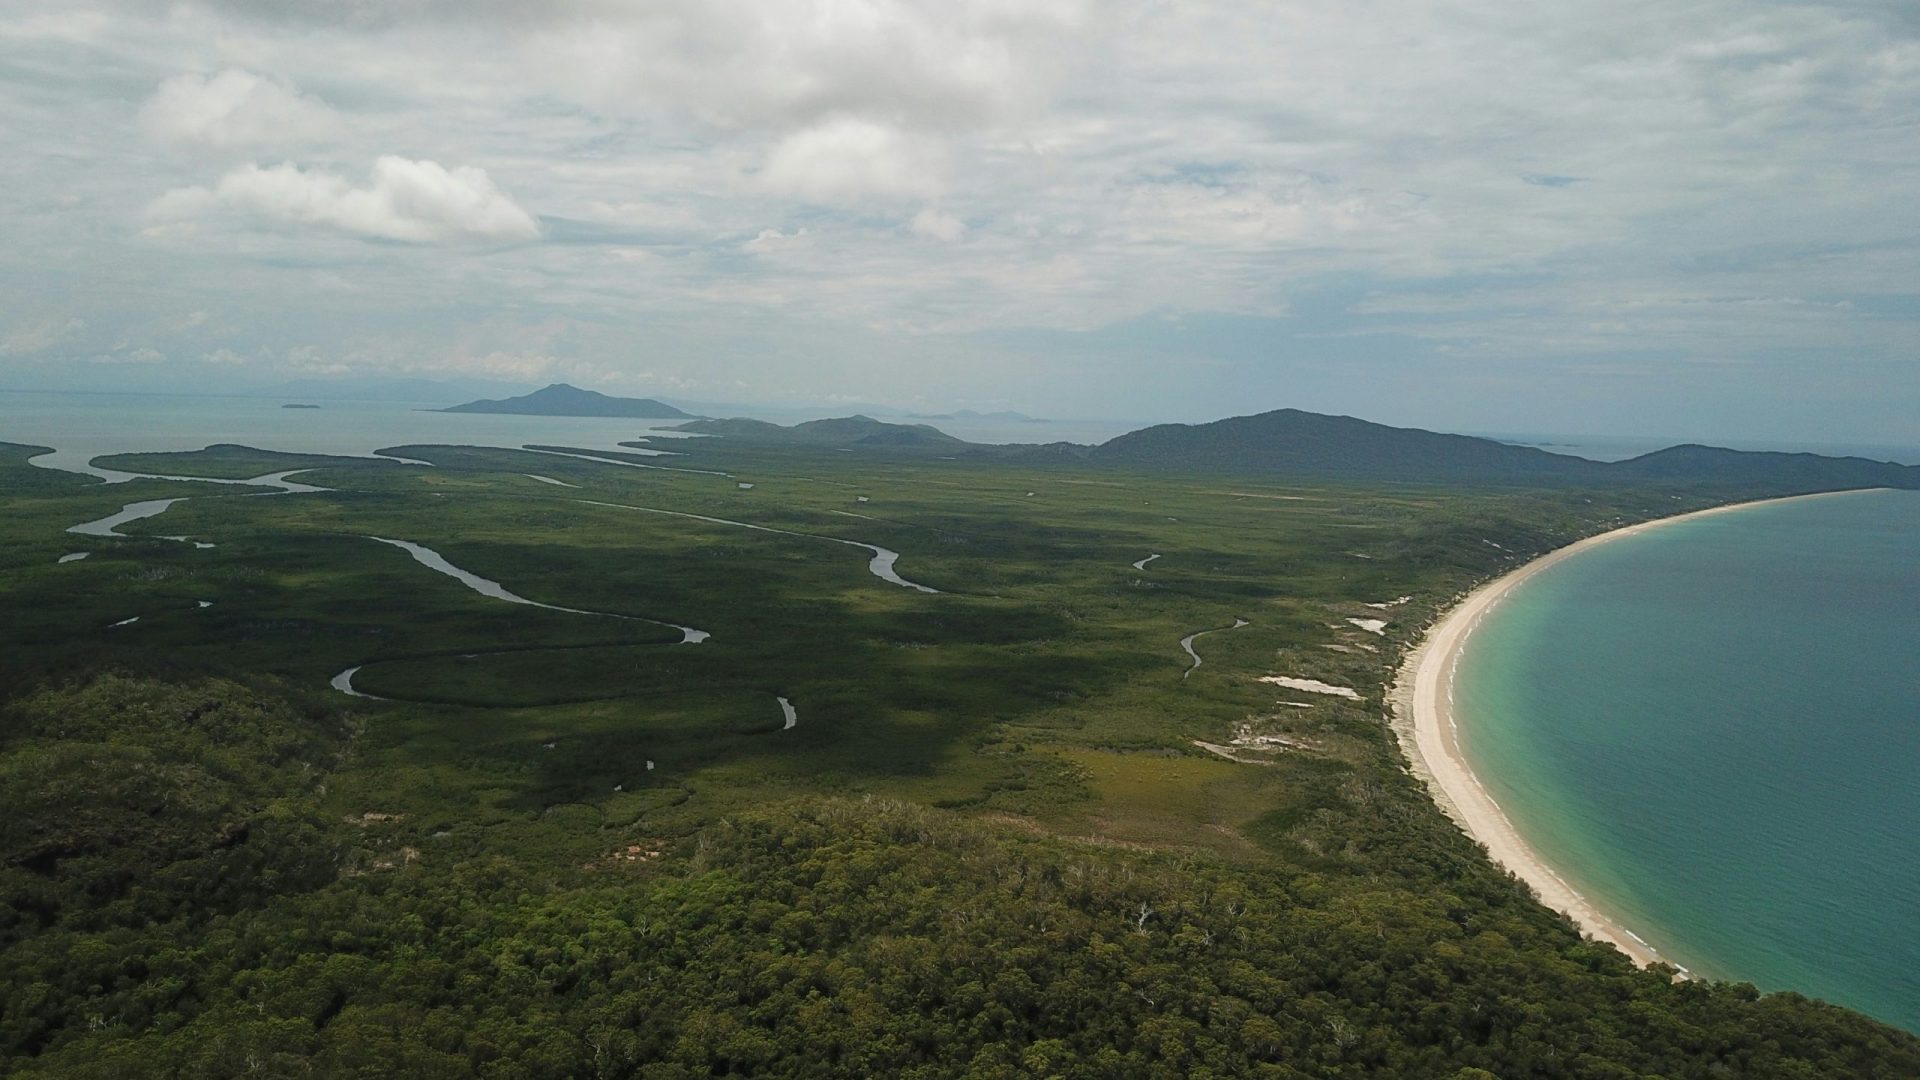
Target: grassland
[1037, 704]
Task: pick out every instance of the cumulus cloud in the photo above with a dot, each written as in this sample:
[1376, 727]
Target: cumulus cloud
[233, 108]
[936, 224]
[845, 159]
[408, 200]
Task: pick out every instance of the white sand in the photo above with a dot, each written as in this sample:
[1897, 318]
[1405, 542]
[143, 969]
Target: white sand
[1423, 719]
[1311, 686]
[1371, 626]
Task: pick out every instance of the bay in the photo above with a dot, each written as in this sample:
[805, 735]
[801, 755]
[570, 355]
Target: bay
[1712, 729]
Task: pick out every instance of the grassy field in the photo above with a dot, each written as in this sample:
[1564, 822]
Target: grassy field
[1041, 692]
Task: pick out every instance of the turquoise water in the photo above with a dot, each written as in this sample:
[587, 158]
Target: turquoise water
[1713, 730]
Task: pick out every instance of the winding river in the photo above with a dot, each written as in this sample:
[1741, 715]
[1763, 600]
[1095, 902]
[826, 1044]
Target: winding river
[147, 508]
[1187, 643]
[434, 561]
[133, 511]
[618, 461]
[880, 566]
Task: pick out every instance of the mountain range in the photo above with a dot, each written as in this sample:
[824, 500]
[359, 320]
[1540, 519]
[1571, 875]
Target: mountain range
[1295, 444]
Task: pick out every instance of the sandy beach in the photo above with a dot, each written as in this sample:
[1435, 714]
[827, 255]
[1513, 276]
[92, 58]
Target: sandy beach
[1424, 721]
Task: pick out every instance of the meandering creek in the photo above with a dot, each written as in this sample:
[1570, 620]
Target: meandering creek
[619, 461]
[433, 560]
[134, 511]
[880, 566]
[147, 508]
[1187, 643]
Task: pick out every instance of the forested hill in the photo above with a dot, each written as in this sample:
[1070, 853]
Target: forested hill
[1694, 462]
[1289, 440]
[1304, 444]
[842, 429]
[559, 399]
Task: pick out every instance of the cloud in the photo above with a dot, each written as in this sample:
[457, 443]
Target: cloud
[937, 225]
[234, 108]
[922, 64]
[1402, 187]
[31, 338]
[846, 159]
[769, 241]
[417, 201]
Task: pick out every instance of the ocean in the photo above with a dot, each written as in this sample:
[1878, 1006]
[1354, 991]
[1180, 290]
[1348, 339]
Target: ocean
[1712, 729]
[87, 425]
[82, 426]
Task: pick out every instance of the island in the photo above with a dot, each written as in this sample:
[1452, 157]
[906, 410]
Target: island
[560, 399]
[295, 405]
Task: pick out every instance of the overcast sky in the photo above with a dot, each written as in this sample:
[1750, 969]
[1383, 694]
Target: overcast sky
[1673, 217]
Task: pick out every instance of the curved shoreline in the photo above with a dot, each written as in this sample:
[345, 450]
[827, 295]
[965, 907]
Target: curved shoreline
[1422, 716]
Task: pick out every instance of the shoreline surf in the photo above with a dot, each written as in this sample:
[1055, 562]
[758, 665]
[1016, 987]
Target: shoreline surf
[1423, 720]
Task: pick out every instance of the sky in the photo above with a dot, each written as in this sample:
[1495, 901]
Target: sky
[1685, 217]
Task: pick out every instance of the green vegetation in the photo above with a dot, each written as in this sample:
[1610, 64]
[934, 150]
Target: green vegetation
[573, 847]
[845, 430]
[225, 461]
[1303, 445]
